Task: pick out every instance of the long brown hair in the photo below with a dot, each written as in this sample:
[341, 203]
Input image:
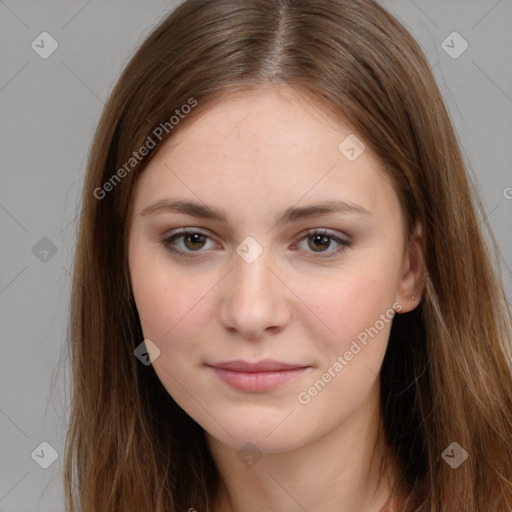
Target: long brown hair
[446, 376]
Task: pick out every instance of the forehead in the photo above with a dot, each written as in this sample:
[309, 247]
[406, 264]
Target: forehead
[265, 149]
[260, 119]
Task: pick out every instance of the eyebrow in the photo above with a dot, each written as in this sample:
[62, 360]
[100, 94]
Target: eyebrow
[291, 214]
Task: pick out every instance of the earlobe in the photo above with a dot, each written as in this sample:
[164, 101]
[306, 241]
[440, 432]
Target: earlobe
[411, 284]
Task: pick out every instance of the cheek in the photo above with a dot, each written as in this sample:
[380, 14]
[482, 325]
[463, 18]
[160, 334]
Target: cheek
[169, 310]
[163, 295]
[359, 311]
[164, 298]
[349, 306]
[172, 320]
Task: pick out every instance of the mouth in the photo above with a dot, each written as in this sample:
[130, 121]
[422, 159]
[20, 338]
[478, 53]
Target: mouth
[257, 377]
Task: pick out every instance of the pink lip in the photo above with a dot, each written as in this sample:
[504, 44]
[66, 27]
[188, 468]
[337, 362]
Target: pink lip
[263, 376]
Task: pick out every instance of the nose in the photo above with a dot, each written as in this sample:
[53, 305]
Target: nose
[255, 299]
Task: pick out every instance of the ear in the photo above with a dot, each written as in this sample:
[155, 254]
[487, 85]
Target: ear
[412, 280]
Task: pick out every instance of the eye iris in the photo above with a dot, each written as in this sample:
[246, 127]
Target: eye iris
[323, 240]
[194, 237]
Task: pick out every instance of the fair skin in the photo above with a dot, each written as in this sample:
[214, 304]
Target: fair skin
[253, 155]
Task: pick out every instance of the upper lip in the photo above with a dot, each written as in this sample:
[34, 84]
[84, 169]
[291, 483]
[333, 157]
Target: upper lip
[267, 365]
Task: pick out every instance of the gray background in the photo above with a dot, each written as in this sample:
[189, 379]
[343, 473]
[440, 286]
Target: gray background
[50, 108]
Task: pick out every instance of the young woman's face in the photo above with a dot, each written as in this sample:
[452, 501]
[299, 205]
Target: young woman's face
[272, 324]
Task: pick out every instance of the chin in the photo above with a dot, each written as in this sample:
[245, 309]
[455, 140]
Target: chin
[247, 439]
[268, 433]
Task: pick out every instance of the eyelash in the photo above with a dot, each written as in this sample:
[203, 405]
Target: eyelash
[167, 242]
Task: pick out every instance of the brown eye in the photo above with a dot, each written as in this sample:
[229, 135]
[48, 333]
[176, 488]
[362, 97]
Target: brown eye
[197, 241]
[186, 242]
[319, 242]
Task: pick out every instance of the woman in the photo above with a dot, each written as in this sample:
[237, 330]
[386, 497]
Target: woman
[282, 299]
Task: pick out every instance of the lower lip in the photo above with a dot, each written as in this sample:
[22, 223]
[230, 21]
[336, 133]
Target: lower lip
[258, 381]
